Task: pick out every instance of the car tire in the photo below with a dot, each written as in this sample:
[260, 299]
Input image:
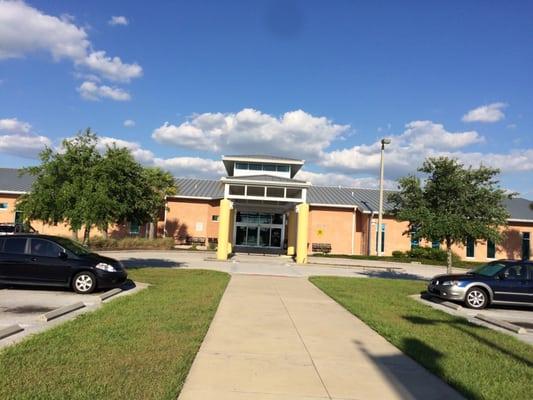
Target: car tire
[84, 282]
[476, 298]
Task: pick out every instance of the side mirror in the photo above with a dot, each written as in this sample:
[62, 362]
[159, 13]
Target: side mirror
[63, 255]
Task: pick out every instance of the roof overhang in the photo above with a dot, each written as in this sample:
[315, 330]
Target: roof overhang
[238, 181]
[12, 192]
[229, 161]
[520, 220]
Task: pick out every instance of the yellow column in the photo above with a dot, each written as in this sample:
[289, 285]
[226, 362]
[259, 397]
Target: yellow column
[230, 230]
[291, 234]
[303, 226]
[224, 222]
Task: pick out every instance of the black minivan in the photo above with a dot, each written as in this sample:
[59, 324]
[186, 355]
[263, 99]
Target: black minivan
[27, 259]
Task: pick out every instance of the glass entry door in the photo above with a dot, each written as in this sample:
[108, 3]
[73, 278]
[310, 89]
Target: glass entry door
[259, 229]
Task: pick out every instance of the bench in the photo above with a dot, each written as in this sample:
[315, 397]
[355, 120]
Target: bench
[196, 240]
[321, 248]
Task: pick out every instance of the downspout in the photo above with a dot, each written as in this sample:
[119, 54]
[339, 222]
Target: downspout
[369, 239]
[165, 218]
[353, 231]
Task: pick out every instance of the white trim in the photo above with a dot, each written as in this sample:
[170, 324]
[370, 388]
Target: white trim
[263, 160]
[519, 220]
[11, 192]
[195, 197]
[282, 199]
[264, 183]
[333, 205]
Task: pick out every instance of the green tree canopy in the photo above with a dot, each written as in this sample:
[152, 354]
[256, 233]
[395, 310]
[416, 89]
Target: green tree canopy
[452, 203]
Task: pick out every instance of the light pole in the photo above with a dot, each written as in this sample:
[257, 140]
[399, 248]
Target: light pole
[384, 141]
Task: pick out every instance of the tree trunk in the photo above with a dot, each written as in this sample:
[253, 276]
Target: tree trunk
[105, 232]
[152, 230]
[74, 234]
[86, 234]
[449, 256]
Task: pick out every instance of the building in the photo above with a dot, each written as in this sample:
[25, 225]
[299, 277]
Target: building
[262, 206]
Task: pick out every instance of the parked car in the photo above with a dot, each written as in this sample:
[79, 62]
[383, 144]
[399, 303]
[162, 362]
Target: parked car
[11, 229]
[498, 282]
[31, 259]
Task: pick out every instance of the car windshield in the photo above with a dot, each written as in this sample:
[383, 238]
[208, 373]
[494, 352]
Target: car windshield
[72, 246]
[488, 269]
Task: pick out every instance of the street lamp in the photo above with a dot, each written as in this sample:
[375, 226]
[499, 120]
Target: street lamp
[384, 141]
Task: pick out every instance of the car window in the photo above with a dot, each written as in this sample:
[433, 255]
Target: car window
[490, 269]
[74, 247]
[44, 248]
[7, 228]
[515, 272]
[1, 245]
[15, 245]
[529, 268]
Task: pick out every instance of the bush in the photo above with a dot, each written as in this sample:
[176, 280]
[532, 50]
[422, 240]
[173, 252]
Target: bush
[100, 243]
[398, 254]
[430, 253]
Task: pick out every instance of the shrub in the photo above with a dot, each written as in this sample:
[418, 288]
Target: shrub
[100, 243]
[398, 254]
[430, 253]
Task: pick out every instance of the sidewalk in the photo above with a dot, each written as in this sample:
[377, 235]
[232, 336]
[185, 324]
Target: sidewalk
[282, 338]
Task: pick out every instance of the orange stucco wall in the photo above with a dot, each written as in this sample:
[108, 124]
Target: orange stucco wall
[334, 226]
[190, 217]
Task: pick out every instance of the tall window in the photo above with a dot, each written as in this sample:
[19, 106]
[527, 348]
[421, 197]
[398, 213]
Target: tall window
[135, 228]
[415, 241]
[382, 238]
[3, 206]
[491, 249]
[470, 247]
[526, 246]
[435, 244]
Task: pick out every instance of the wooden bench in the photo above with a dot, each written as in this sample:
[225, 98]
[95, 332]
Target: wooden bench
[196, 240]
[321, 248]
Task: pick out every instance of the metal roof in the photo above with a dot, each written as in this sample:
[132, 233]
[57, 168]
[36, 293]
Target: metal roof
[12, 181]
[365, 200]
[263, 157]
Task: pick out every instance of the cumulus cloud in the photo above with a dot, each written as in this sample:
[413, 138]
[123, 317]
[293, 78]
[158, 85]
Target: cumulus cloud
[487, 113]
[192, 167]
[141, 155]
[336, 179]
[25, 30]
[295, 133]
[129, 123]
[16, 138]
[118, 20]
[92, 91]
[407, 150]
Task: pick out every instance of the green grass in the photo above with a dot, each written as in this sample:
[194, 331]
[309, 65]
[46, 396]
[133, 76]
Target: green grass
[135, 347]
[479, 362]
[456, 264]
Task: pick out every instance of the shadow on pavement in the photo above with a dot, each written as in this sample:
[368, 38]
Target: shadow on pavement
[132, 263]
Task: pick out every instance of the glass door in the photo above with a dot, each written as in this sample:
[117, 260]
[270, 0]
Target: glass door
[258, 229]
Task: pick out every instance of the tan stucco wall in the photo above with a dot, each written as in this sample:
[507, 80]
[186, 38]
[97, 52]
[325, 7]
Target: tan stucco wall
[8, 215]
[333, 226]
[394, 236]
[190, 217]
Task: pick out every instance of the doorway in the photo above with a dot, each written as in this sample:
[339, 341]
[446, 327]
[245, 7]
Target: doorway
[254, 229]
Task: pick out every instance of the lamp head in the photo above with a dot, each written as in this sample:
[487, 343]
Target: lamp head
[385, 141]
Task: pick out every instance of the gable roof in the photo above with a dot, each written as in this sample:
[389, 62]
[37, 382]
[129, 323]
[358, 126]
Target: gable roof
[519, 209]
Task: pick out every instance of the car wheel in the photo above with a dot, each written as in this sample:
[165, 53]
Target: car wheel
[476, 298]
[84, 282]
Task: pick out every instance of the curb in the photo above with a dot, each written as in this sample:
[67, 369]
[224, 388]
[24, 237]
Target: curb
[502, 324]
[109, 293]
[451, 305]
[10, 330]
[436, 300]
[62, 311]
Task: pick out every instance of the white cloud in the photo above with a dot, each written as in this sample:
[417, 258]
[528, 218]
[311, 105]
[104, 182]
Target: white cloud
[141, 155]
[24, 30]
[91, 91]
[295, 133]
[336, 179]
[118, 20]
[112, 68]
[17, 139]
[487, 113]
[405, 153]
[129, 123]
[192, 167]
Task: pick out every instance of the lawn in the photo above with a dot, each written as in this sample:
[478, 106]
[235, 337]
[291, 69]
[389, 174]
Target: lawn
[405, 260]
[479, 362]
[135, 347]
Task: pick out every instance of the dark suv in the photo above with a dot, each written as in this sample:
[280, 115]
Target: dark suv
[31, 259]
[498, 282]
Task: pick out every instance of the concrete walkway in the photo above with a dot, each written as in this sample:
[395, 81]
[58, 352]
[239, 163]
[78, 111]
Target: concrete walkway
[278, 338]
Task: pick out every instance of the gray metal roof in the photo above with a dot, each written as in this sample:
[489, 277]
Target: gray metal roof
[11, 181]
[519, 208]
[264, 177]
[262, 157]
[363, 199]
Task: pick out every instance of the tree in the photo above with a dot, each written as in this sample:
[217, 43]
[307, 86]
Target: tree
[83, 188]
[453, 204]
[160, 184]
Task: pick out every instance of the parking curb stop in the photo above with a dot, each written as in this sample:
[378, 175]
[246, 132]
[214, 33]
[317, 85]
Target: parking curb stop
[62, 311]
[10, 330]
[502, 324]
[109, 293]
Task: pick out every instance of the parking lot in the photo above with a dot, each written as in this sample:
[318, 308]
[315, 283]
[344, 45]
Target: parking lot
[25, 306]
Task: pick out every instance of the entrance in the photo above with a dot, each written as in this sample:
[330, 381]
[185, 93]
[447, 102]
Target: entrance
[254, 229]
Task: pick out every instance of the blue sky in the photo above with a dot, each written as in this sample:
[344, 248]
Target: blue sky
[312, 79]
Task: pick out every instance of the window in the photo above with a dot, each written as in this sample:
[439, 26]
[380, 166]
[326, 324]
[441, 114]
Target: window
[3, 206]
[283, 168]
[435, 244]
[256, 191]
[19, 217]
[415, 241]
[214, 218]
[44, 248]
[255, 167]
[275, 192]
[269, 167]
[2, 240]
[491, 249]
[470, 247]
[241, 165]
[294, 193]
[515, 272]
[15, 245]
[526, 246]
[382, 238]
[135, 228]
[236, 190]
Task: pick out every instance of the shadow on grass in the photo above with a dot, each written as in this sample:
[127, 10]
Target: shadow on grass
[405, 375]
[392, 275]
[466, 327]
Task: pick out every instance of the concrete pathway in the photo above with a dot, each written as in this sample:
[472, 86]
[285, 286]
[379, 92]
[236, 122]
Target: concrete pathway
[276, 338]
